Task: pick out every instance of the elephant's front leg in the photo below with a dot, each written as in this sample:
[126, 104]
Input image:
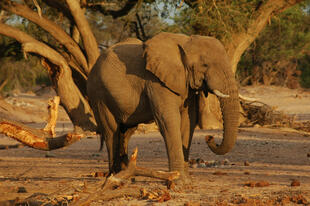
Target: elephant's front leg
[165, 106]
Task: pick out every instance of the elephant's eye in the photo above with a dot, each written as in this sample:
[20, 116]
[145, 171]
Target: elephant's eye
[205, 65]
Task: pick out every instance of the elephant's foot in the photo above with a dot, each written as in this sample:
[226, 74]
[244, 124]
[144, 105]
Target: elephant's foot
[182, 182]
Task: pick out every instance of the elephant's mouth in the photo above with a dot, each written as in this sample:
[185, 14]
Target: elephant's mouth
[206, 89]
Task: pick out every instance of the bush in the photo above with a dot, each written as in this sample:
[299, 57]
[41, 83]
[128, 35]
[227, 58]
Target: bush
[304, 67]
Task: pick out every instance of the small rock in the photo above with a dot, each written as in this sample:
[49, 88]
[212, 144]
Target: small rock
[170, 185]
[246, 163]
[100, 174]
[219, 173]
[199, 161]
[21, 190]
[49, 155]
[250, 184]
[257, 126]
[225, 162]
[262, 184]
[95, 155]
[257, 184]
[246, 173]
[308, 155]
[295, 183]
[202, 165]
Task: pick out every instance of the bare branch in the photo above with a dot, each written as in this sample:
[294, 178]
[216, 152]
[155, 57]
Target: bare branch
[57, 32]
[36, 138]
[38, 8]
[52, 116]
[70, 95]
[32, 45]
[89, 40]
[115, 181]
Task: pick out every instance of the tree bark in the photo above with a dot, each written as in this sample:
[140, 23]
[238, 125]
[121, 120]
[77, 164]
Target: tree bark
[236, 46]
[72, 99]
[37, 138]
[89, 41]
[53, 29]
[239, 42]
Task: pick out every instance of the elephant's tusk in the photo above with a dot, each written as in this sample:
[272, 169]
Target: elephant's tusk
[247, 98]
[220, 94]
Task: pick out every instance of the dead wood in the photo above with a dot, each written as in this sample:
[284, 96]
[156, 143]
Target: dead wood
[110, 188]
[89, 40]
[37, 138]
[52, 115]
[259, 113]
[42, 139]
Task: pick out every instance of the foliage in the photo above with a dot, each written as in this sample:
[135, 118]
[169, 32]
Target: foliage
[304, 66]
[22, 75]
[285, 39]
[17, 72]
[143, 23]
[219, 19]
[106, 29]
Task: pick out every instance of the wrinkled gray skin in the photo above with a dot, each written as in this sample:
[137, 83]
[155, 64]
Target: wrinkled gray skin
[161, 80]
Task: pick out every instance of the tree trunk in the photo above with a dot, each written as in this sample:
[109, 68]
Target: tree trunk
[75, 104]
[235, 46]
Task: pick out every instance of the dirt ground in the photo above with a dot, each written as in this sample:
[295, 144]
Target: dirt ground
[266, 167]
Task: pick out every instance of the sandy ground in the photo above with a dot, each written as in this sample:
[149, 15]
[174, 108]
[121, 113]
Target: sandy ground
[259, 170]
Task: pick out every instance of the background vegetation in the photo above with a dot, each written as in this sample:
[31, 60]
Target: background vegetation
[279, 56]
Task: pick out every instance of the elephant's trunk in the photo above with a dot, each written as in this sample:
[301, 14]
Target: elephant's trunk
[230, 113]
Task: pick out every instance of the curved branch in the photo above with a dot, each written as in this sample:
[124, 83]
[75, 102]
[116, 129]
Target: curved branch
[239, 42]
[57, 32]
[89, 40]
[71, 97]
[37, 138]
[32, 45]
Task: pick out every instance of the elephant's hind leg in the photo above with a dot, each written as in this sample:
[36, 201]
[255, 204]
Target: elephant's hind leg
[125, 135]
[110, 132]
[189, 120]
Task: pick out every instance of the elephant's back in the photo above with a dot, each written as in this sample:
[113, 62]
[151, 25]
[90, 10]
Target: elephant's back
[118, 79]
[126, 59]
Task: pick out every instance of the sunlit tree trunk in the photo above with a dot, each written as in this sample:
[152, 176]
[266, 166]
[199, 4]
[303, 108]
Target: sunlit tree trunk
[236, 46]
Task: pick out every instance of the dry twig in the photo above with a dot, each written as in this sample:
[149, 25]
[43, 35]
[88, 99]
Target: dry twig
[111, 186]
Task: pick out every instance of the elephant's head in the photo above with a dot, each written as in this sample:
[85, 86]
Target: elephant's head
[201, 63]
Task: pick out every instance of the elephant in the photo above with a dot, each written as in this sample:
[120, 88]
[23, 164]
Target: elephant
[162, 80]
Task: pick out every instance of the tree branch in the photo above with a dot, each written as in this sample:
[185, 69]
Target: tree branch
[57, 32]
[36, 138]
[129, 5]
[52, 115]
[71, 97]
[115, 181]
[239, 42]
[89, 41]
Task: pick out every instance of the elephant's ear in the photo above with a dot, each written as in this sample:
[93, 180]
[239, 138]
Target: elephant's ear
[163, 59]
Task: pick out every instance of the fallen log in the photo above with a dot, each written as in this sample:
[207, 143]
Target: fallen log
[42, 139]
[37, 138]
[110, 187]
